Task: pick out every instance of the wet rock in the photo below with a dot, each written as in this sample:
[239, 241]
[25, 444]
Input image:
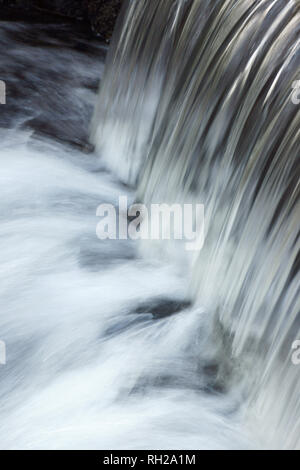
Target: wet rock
[103, 15]
[100, 15]
[163, 307]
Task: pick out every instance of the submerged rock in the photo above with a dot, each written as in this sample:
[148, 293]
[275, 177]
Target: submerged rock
[163, 307]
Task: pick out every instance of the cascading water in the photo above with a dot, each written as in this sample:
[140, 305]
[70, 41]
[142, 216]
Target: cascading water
[196, 104]
[94, 357]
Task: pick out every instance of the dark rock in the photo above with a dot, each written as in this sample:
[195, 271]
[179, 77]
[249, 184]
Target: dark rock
[101, 15]
[163, 307]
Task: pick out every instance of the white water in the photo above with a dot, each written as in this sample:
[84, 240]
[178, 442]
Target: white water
[83, 369]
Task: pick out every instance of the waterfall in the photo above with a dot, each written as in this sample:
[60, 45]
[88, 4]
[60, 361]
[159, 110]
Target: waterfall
[196, 103]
